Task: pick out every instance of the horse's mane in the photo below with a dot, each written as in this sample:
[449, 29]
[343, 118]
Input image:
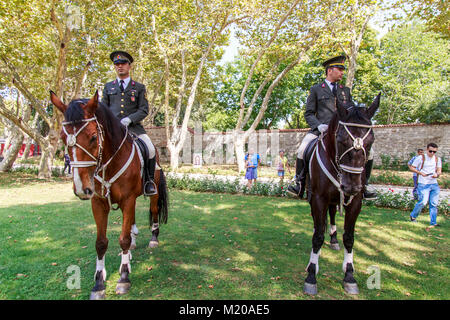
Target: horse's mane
[113, 129]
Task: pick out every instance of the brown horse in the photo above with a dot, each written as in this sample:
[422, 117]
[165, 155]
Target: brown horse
[107, 169]
[336, 177]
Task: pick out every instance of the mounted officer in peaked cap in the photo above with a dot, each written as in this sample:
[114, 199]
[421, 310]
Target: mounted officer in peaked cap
[320, 108]
[127, 100]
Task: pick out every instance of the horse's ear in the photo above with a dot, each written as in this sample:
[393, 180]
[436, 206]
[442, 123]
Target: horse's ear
[57, 102]
[374, 106]
[92, 104]
[341, 110]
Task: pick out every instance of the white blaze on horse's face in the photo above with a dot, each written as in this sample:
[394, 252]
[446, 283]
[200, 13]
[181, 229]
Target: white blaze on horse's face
[83, 177]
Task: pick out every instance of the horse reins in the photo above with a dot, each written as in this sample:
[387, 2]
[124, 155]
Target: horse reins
[71, 141]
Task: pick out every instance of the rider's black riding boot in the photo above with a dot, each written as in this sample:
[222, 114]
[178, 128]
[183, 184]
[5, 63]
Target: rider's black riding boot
[368, 195]
[295, 189]
[149, 185]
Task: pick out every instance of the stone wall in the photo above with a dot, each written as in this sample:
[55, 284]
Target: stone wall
[397, 141]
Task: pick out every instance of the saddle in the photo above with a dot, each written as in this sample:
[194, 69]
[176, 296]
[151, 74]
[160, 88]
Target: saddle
[142, 148]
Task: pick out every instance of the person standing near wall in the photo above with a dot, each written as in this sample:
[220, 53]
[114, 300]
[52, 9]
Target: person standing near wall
[282, 165]
[428, 168]
[410, 162]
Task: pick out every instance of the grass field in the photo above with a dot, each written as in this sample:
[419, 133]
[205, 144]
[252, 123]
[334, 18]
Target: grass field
[215, 246]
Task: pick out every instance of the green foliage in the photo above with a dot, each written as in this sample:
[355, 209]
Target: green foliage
[403, 201]
[392, 163]
[207, 184]
[413, 65]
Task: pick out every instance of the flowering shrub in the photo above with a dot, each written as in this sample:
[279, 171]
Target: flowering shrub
[402, 201]
[387, 199]
[213, 184]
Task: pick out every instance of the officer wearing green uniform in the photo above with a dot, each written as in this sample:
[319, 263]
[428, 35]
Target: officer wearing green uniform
[127, 100]
[320, 108]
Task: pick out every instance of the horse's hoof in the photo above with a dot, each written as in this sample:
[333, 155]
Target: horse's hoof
[153, 244]
[310, 288]
[97, 295]
[351, 288]
[123, 288]
[335, 246]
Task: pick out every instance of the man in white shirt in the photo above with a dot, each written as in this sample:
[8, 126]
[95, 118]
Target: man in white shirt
[428, 168]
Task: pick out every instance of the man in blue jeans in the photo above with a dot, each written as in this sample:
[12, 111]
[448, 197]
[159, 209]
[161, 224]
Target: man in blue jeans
[428, 168]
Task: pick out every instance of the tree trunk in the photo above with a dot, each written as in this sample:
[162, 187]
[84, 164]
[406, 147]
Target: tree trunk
[26, 152]
[12, 153]
[239, 144]
[174, 156]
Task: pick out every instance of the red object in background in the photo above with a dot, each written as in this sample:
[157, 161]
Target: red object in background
[32, 151]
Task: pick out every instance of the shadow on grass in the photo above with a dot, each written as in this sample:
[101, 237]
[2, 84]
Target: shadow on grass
[217, 246]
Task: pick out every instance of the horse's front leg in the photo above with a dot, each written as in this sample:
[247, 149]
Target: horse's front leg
[100, 210]
[334, 243]
[128, 211]
[351, 214]
[319, 213]
[154, 221]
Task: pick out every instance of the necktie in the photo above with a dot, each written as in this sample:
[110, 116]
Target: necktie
[334, 88]
[121, 85]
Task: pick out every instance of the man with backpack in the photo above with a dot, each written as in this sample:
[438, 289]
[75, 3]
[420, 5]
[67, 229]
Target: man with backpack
[428, 168]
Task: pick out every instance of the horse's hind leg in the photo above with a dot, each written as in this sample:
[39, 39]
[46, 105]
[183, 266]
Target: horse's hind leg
[154, 221]
[124, 283]
[319, 215]
[334, 243]
[100, 210]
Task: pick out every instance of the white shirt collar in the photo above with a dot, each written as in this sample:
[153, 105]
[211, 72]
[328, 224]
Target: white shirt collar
[125, 82]
[329, 84]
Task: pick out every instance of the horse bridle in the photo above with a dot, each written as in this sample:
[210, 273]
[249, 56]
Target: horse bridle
[358, 144]
[71, 141]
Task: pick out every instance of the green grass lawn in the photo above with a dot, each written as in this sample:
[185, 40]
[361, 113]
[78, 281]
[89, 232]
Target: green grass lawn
[215, 246]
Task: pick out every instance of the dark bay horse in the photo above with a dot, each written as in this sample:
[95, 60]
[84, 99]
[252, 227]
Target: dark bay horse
[107, 169]
[336, 173]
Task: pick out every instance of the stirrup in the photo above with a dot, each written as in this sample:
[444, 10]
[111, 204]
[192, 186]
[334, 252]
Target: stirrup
[154, 188]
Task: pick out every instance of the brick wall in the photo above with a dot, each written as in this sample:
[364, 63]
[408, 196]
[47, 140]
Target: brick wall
[393, 140]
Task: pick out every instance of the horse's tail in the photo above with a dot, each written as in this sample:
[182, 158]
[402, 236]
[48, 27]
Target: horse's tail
[163, 198]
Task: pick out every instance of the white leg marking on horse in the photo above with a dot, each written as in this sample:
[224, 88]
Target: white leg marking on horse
[155, 226]
[332, 228]
[101, 267]
[348, 258]
[126, 258]
[134, 229]
[314, 258]
[76, 176]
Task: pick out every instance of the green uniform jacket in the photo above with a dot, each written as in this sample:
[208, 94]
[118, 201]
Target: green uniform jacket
[131, 103]
[321, 105]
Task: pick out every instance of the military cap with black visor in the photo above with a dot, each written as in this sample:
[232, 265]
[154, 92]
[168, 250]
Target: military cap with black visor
[127, 100]
[121, 57]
